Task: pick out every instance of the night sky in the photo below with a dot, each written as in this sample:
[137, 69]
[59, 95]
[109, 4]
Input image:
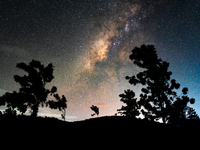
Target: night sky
[89, 43]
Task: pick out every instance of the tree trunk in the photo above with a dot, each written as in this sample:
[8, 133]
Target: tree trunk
[35, 110]
[163, 118]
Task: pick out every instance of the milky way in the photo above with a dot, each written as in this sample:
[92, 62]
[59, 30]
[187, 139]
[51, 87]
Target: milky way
[89, 43]
[102, 66]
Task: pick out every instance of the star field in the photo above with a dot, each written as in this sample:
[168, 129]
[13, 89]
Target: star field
[89, 43]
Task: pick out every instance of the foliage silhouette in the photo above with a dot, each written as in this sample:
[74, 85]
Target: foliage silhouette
[132, 108]
[32, 92]
[95, 109]
[158, 98]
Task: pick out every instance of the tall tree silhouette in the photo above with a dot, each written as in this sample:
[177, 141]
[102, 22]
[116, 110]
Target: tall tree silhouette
[32, 92]
[95, 109]
[158, 98]
[132, 108]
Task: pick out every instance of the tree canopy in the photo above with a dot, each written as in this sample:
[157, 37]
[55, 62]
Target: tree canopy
[132, 108]
[158, 98]
[33, 92]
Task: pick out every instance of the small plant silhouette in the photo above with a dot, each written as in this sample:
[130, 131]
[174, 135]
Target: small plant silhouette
[95, 109]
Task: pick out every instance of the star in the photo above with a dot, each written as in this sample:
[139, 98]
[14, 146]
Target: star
[89, 43]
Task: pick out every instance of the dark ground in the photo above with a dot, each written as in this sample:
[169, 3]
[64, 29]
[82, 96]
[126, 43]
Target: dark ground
[104, 132]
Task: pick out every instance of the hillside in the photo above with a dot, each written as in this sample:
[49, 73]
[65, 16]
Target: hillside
[104, 130]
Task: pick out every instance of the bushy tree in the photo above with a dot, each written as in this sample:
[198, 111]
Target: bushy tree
[180, 110]
[131, 108]
[33, 92]
[158, 98]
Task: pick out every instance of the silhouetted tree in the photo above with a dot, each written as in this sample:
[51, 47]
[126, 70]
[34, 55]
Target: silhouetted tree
[180, 110]
[158, 98]
[191, 113]
[32, 92]
[95, 109]
[132, 108]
